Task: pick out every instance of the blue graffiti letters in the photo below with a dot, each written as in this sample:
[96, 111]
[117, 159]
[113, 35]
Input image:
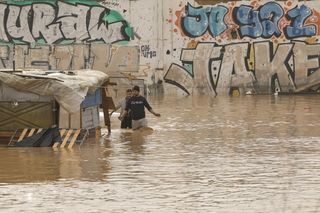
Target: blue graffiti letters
[259, 23]
[216, 22]
[267, 21]
[249, 22]
[199, 19]
[270, 27]
[298, 15]
[196, 21]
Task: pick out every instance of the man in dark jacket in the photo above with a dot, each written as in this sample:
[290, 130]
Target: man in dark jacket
[136, 106]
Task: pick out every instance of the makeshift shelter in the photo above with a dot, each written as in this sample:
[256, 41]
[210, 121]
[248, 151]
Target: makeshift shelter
[45, 99]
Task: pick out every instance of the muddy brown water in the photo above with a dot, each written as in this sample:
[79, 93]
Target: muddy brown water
[223, 154]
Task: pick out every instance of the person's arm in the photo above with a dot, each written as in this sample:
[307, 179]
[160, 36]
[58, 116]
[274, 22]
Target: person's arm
[116, 108]
[125, 111]
[153, 112]
[147, 105]
[124, 114]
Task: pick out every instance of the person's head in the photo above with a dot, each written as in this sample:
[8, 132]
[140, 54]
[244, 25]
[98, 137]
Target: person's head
[129, 92]
[135, 90]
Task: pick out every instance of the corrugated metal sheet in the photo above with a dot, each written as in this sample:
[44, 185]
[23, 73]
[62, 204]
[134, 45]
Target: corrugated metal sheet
[15, 115]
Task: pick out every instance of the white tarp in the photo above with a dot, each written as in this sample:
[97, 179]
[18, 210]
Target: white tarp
[68, 90]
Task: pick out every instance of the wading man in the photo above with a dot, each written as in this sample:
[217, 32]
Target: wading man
[136, 106]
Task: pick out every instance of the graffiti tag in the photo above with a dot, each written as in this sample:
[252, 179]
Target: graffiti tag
[61, 22]
[251, 22]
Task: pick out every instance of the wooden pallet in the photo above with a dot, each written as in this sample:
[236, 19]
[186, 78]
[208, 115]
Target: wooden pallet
[68, 136]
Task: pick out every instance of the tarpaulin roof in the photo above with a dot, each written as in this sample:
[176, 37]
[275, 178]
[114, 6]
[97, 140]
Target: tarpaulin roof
[68, 88]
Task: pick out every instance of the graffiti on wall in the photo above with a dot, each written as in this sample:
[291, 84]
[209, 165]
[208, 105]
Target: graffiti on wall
[266, 21]
[70, 34]
[147, 52]
[57, 22]
[291, 67]
[266, 48]
[102, 57]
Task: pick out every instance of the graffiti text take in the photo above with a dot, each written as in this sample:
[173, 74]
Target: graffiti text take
[51, 23]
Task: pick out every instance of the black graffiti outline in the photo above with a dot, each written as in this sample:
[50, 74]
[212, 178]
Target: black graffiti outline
[293, 20]
[53, 22]
[272, 54]
[260, 19]
[290, 68]
[211, 60]
[169, 81]
[30, 21]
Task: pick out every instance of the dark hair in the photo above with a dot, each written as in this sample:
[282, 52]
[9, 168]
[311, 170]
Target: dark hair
[129, 90]
[136, 88]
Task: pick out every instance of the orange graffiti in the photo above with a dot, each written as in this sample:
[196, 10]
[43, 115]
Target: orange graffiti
[255, 4]
[178, 14]
[314, 19]
[231, 32]
[311, 40]
[289, 3]
[192, 44]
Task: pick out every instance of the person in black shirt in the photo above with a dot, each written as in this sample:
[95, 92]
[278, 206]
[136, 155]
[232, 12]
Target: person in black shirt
[136, 106]
[125, 120]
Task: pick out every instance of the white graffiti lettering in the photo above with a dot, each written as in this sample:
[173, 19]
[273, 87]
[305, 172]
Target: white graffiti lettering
[75, 23]
[291, 67]
[45, 15]
[17, 23]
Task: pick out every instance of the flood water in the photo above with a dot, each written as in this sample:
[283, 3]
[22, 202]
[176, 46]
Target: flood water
[224, 154]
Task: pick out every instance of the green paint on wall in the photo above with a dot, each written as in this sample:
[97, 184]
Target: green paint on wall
[85, 2]
[28, 2]
[189, 68]
[16, 41]
[121, 42]
[129, 31]
[67, 41]
[111, 17]
[4, 43]
[41, 41]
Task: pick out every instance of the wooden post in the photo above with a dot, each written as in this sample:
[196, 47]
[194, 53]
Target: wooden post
[107, 103]
[97, 134]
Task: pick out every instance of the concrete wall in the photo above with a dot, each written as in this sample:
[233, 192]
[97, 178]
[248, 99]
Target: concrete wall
[210, 47]
[65, 35]
[243, 46]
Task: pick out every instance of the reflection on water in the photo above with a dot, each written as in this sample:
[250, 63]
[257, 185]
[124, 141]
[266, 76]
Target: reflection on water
[224, 154]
